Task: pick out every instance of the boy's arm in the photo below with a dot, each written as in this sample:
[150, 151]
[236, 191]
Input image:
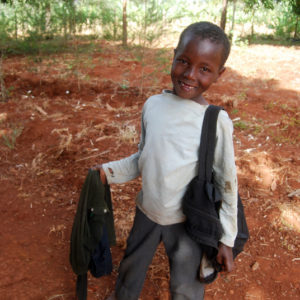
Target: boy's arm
[122, 170]
[103, 176]
[226, 181]
[101, 173]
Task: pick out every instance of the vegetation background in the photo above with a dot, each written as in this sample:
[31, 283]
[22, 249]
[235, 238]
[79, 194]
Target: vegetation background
[26, 24]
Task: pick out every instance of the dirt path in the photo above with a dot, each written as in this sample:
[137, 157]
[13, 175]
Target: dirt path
[66, 114]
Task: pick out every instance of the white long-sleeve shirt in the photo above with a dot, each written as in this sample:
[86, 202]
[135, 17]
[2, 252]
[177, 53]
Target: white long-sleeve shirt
[167, 159]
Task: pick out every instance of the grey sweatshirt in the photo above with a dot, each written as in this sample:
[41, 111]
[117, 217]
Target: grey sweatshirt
[167, 159]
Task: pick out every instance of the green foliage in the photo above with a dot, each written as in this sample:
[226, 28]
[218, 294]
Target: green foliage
[110, 15]
[254, 4]
[285, 21]
[34, 21]
[295, 6]
[25, 25]
[203, 10]
[149, 19]
[165, 60]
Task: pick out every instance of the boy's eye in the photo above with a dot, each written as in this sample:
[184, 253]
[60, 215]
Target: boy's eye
[204, 69]
[181, 60]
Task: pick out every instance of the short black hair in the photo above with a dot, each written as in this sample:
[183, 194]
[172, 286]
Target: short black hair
[207, 31]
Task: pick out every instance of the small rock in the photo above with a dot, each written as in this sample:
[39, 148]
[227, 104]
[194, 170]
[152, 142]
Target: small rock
[255, 266]
[273, 186]
[3, 117]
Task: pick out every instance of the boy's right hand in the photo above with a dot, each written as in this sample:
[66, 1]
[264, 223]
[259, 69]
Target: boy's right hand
[225, 258]
[101, 172]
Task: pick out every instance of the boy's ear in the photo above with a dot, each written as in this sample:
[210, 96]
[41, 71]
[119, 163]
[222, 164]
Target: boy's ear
[221, 72]
[223, 69]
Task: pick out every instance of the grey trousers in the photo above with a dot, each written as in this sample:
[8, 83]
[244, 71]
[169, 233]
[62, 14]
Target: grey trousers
[183, 253]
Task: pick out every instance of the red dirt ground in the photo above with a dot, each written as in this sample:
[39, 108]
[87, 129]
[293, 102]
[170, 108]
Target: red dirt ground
[68, 112]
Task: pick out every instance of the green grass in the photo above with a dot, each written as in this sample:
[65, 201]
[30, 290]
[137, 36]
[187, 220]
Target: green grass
[240, 125]
[58, 44]
[269, 106]
[10, 140]
[257, 129]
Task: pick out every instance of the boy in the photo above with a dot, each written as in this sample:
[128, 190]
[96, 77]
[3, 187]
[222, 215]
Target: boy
[167, 160]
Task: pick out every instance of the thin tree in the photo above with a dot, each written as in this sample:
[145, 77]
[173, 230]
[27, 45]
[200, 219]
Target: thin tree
[233, 16]
[224, 15]
[3, 92]
[296, 11]
[124, 34]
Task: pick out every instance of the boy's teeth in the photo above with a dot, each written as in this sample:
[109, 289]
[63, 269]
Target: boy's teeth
[186, 86]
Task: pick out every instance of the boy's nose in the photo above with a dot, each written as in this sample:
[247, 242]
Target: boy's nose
[190, 73]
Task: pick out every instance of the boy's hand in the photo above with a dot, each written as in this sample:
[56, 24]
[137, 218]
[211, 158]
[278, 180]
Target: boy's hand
[225, 258]
[101, 172]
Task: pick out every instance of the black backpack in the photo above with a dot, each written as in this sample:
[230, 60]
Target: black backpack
[202, 200]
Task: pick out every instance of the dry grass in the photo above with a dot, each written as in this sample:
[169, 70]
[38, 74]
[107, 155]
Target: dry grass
[58, 230]
[37, 162]
[290, 215]
[65, 140]
[129, 134]
[59, 296]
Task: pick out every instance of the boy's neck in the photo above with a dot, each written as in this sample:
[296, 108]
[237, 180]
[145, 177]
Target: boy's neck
[200, 101]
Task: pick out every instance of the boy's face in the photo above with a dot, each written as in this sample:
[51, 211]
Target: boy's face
[196, 65]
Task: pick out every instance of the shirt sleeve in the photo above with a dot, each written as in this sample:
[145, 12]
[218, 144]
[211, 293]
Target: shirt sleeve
[126, 169]
[225, 178]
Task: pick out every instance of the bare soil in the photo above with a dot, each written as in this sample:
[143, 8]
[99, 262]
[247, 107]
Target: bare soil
[70, 111]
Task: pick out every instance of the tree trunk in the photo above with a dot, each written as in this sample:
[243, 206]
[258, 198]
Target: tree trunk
[124, 23]
[224, 13]
[252, 23]
[296, 28]
[48, 18]
[3, 91]
[16, 25]
[72, 15]
[233, 16]
[115, 29]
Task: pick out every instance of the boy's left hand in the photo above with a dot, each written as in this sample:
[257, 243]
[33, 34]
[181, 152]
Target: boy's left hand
[101, 173]
[225, 258]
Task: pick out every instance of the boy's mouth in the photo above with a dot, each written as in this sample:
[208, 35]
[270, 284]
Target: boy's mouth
[185, 86]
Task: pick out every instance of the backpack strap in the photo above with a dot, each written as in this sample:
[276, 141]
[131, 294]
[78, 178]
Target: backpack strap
[208, 142]
[206, 158]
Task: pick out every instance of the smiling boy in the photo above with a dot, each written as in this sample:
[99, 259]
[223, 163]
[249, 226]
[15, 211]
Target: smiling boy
[196, 65]
[167, 160]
